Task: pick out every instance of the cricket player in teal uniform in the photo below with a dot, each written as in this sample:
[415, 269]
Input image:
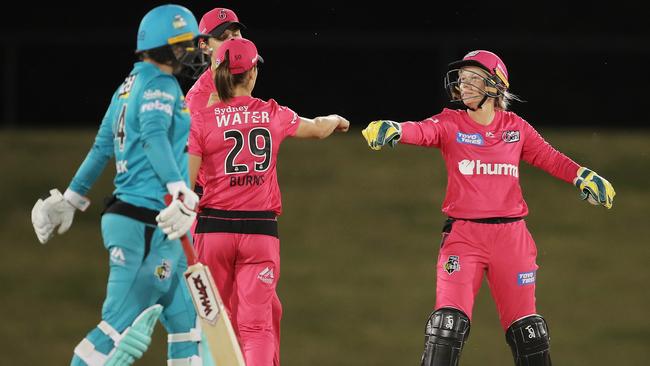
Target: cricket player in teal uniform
[145, 130]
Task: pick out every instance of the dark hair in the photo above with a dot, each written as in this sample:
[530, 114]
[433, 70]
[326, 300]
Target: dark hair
[187, 60]
[162, 55]
[225, 81]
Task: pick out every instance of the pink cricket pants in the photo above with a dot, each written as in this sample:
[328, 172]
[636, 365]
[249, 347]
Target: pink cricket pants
[246, 269]
[504, 252]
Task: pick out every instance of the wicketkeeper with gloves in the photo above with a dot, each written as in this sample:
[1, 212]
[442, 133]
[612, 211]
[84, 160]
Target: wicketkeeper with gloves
[482, 144]
[145, 130]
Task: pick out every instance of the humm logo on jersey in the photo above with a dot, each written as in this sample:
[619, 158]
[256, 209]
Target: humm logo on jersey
[476, 167]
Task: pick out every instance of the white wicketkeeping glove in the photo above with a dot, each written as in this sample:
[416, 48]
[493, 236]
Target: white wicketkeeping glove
[57, 210]
[176, 220]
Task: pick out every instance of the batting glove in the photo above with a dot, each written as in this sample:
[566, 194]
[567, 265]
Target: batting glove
[594, 188]
[382, 132]
[57, 210]
[177, 219]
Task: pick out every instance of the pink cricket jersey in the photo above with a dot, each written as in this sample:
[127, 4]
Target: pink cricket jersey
[198, 95]
[196, 99]
[239, 143]
[483, 161]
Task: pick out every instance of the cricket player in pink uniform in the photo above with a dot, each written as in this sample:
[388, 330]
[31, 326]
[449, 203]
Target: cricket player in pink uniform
[236, 142]
[482, 145]
[221, 24]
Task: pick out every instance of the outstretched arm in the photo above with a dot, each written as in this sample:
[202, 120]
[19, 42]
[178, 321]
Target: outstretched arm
[593, 188]
[539, 153]
[321, 127]
[428, 132]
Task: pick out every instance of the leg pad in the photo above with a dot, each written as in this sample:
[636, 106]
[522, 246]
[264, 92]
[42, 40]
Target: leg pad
[529, 341]
[445, 334]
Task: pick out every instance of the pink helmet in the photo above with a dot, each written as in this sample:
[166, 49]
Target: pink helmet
[486, 60]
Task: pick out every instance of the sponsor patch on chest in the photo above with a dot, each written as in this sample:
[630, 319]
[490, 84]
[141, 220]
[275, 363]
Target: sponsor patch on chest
[469, 138]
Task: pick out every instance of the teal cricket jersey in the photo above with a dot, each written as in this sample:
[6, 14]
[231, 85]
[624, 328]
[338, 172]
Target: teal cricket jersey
[145, 129]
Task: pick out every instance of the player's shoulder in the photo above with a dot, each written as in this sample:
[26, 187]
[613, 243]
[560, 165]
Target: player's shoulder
[204, 84]
[152, 77]
[509, 115]
[205, 112]
[512, 118]
[270, 104]
[199, 116]
[163, 80]
[446, 116]
[451, 112]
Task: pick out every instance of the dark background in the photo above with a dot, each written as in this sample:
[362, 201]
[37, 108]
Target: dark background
[574, 64]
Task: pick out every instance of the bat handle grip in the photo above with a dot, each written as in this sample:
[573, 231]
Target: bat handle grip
[185, 241]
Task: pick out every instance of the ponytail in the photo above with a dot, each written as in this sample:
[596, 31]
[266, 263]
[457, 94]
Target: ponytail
[225, 81]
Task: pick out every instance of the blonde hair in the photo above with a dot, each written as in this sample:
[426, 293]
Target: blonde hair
[501, 102]
[505, 99]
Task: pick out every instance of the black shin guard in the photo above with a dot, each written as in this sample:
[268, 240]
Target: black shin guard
[446, 331]
[529, 340]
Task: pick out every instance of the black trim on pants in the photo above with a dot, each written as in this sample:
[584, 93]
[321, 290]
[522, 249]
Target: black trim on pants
[491, 220]
[232, 214]
[145, 215]
[238, 222]
[148, 234]
[446, 227]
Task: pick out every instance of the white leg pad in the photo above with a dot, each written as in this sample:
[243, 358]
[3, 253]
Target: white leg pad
[194, 335]
[135, 339]
[192, 361]
[87, 353]
[109, 331]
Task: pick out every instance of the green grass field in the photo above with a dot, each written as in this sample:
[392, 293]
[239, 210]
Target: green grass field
[359, 235]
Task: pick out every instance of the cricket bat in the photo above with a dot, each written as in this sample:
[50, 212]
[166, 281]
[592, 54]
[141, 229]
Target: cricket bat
[215, 322]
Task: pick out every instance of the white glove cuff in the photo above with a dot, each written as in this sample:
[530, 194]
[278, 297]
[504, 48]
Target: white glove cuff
[175, 187]
[76, 200]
